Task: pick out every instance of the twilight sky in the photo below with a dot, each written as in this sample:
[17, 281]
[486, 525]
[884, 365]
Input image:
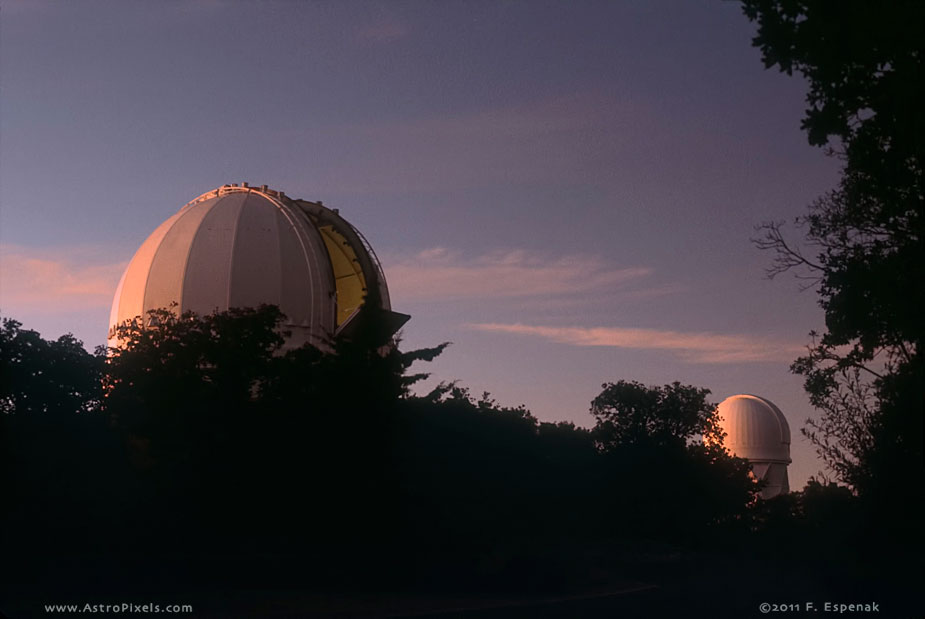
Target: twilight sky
[565, 190]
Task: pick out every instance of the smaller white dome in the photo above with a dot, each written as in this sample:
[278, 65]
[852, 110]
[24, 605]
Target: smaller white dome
[755, 429]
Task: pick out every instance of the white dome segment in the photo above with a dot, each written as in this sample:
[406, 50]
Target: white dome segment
[243, 247]
[758, 431]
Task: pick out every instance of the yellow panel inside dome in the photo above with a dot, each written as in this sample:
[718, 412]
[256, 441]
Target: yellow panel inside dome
[348, 275]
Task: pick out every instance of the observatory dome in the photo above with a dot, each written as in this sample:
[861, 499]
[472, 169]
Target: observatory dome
[755, 428]
[758, 431]
[241, 246]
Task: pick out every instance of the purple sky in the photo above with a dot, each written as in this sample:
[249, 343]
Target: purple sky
[565, 190]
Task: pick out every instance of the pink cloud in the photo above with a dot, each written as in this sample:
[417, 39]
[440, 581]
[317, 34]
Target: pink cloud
[439, 274]
[693, 347]
[55, 280]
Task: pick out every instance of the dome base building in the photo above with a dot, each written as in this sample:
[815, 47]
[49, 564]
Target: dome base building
[242, 246]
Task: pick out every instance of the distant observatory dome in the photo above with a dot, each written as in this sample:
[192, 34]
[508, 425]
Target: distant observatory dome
[758, 431]
[246, 246]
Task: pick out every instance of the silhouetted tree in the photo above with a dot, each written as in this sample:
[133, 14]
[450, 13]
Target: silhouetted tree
[864, 65]
[665, 482]
[630, 413]
[217, 456]
[823, 516]
[287, 451]
[38, 376]
[59, 461]
[487, 494]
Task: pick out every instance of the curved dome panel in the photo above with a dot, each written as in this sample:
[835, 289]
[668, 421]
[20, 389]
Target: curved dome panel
[243, 247]
[755, 429]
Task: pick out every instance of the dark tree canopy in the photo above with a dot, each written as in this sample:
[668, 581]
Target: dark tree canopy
[865, 65]
[630, 413]
[215, 460]
[323, 466]
[648, 435]
[39, 376]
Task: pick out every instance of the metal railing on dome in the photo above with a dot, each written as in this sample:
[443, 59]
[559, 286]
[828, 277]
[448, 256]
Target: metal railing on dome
[380, 274]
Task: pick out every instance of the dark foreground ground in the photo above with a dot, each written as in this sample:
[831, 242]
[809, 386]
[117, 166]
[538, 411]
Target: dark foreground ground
[665, 585]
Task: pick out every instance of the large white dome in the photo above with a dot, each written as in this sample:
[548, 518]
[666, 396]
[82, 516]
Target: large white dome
[243, 247]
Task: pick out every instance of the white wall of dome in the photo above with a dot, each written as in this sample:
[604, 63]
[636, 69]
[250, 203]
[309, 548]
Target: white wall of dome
[242, 246]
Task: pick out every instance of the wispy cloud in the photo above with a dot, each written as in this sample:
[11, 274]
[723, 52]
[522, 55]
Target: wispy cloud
[439, 274]
[693, 347]
[384, 31]
[55, 280]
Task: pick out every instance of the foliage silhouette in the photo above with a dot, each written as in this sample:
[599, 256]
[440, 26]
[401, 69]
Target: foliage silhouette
[866, 100]
[215, 454]
[56, 450]
[38, 376]
[650, 434]
[864, 65]
[629, 413]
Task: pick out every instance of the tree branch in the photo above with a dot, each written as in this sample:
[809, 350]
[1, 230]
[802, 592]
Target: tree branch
[786, 257]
